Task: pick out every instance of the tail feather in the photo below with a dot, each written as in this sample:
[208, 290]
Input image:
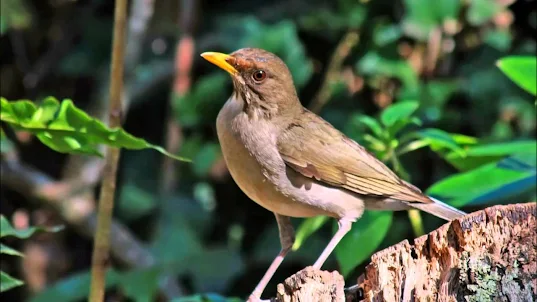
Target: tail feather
[439, 209]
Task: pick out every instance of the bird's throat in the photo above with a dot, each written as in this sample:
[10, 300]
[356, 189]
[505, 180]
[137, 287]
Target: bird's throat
[254, 105]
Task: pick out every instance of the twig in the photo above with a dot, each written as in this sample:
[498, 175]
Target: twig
[142, 11]
[140, 14]
[108, 187]
[414, 215]
[184, 58]
[83, 170]
[434, 51]
[343, 50]
[416, 222]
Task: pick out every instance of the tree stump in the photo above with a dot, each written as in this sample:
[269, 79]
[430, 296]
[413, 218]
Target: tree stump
[488, 255]
[310, 284]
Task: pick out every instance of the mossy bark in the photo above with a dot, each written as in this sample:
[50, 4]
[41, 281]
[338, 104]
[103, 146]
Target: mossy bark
[489, 255]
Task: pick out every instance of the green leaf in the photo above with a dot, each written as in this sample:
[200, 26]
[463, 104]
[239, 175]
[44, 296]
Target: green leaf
[201, 266]
[479, 155]
[362, 240]
[73, 288]
[439, 140]
[174, 240]
[490, 183]
[422, 16]
[6, 229]
[481, 11]
[204, 100]
[500, 39]
[134, 202]
[204, 194]
[7, 282]
[459, 139]
[67, 129]
[326, 20]
[205, 158]
[413, 146]
[398, 112]
[4, 249]
[385, 34]
[375, 144]
[521, 70]
[433, 96]
[370, 122]
[306, 228]
[462, 139]
[356, 16]
[140, 285]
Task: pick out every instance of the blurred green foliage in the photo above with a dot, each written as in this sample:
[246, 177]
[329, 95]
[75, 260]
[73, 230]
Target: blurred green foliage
[372, 227]
[443, 92]
[14, 14]
[8, 282]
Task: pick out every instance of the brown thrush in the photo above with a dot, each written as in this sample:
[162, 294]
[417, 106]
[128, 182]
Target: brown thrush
[295, 164]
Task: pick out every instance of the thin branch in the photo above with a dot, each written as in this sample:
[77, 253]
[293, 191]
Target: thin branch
[332, 75]
[82, 173]
[142, 11]
[77, 211]
[184, 58]
[434, 51]
[140, 14]
[414, 215]
[108, 187]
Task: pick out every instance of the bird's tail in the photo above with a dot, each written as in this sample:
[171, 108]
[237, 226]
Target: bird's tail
[439, 209]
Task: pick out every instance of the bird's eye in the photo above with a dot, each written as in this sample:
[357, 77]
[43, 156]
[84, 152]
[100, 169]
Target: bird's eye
[259, 75]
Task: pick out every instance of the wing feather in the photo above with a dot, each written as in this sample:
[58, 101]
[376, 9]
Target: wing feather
[317, 150]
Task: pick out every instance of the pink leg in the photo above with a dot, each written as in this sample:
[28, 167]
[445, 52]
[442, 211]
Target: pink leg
[287, 238]
[344, 228]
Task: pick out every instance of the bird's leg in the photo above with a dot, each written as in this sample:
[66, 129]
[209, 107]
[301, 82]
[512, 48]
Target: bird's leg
[287, 238]
[344, 227]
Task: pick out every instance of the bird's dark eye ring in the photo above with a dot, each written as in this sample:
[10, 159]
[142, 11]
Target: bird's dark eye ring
[259, 75]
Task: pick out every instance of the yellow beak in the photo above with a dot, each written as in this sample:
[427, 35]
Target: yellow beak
[220, 60]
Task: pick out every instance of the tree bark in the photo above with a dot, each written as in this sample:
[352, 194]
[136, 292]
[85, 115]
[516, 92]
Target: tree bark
[489, 255]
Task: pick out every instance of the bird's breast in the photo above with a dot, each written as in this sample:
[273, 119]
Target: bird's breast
[240, 138]
[250, 151]
[249, 147]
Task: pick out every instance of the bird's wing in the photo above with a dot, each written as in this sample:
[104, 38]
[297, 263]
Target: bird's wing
[317, 150]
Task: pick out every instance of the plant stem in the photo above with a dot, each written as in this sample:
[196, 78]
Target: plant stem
[414, 215]
[397, 167]
[343, 50]
[106, 204]
[416, 222]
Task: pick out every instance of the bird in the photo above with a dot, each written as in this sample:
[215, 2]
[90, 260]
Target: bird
[293, 163]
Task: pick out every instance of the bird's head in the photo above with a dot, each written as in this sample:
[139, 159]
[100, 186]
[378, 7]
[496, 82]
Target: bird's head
[259, 77]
